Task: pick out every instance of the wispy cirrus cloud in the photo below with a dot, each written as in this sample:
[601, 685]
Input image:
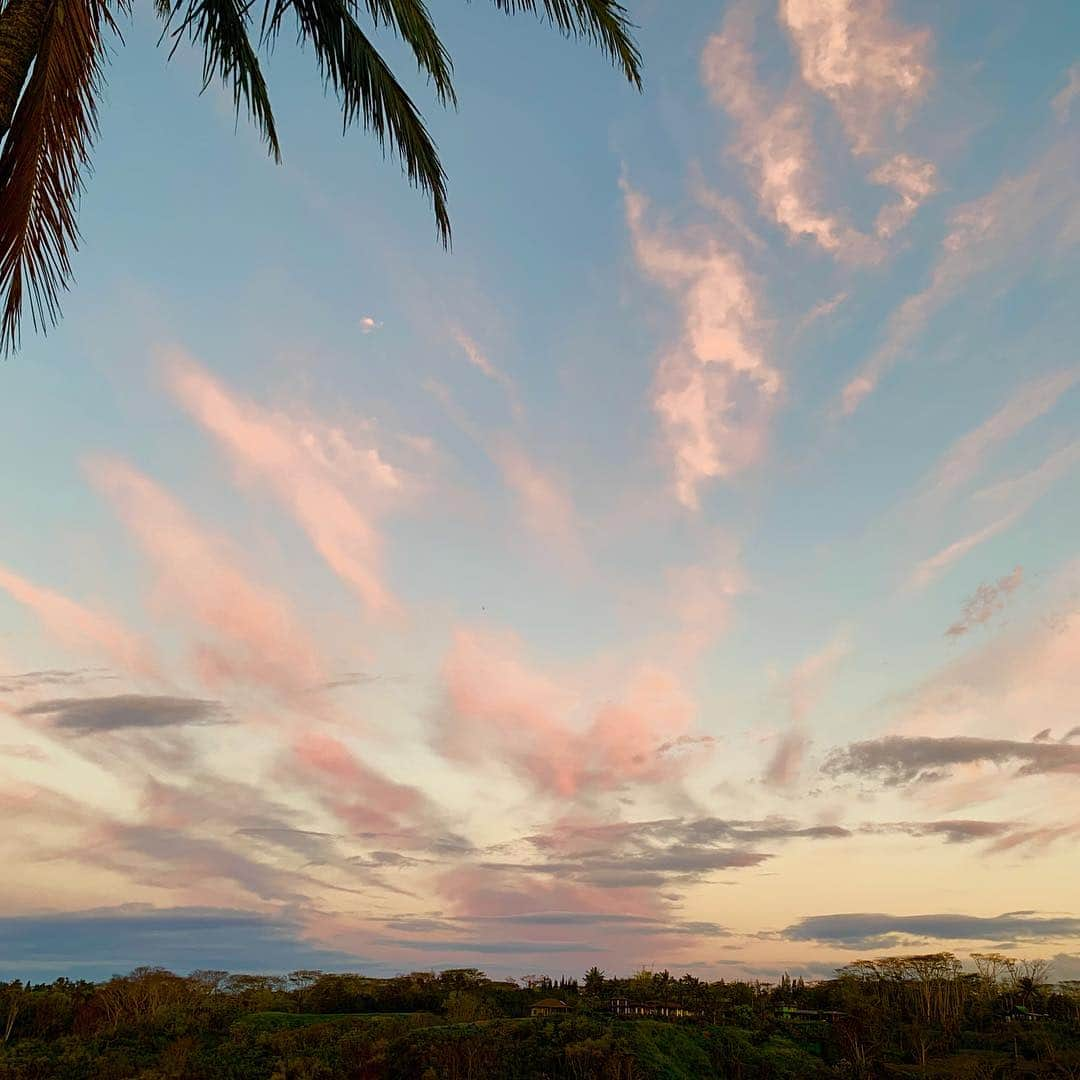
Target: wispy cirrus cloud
[317, 472]
[803, 689]
[482, 362]
[81, 627]
[544, 503]
[1005, 502]
[1005, 228]
[715, 389]
[965, 457]
[932, 567]
[254, 636]
[1062, 102]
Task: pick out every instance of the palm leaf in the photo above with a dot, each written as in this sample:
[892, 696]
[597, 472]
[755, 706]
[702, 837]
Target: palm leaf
[41, 166]
[221, 27]
[410, 19]
[369, 92]
[603, 22]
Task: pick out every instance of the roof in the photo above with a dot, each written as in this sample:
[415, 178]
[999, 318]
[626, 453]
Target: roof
[551, 1003]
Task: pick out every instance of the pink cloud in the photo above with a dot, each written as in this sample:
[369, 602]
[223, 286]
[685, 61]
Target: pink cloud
[493, 892]
[1026, 677]
[810, 680]
[479, 360]
[1008, 500]
[775, 142]
[254, 636]
[544, 504]
[1029, 402]
[1019, 493]
[870, 67]
[329, 484]
[1002, 229]
[785, 764]
[822, 310]
[81, 628]
[1063, 100]
[935, 565]
[701, 598]
[358, 795]
[715, 390]
[804, 688]
[552, 732]
[914, 181]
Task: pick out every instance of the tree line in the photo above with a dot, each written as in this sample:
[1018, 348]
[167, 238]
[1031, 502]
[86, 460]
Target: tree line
[926, 1015]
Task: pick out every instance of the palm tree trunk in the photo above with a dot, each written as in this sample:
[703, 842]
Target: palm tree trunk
[21, 26]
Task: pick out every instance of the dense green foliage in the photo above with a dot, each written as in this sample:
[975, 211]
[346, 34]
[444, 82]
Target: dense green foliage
[916, 1016]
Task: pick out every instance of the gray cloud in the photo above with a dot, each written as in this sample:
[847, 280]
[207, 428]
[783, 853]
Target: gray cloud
[500, 928]
[660, 852]
[881, 931]
[898, 759]
[312, 845]
[955, 831]
[35, 680]
[98, 943]
[606, 920]
[706, 831]
[85, 715]
[986, 602]
[485, 947]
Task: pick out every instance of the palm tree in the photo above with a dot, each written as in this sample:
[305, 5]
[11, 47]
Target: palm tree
[51, 70]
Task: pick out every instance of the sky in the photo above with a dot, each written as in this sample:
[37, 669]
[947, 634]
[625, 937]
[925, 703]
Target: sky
[681, 572]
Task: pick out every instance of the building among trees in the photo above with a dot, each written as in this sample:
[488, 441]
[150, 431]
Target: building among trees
[551, 1007]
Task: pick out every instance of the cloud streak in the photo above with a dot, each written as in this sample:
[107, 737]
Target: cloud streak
[80, 627]
[880, 931]
[315, 471]
[84, 716]
[899, 759]
[255, 638]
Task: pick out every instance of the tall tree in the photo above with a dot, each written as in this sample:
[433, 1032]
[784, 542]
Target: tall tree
[51, 64]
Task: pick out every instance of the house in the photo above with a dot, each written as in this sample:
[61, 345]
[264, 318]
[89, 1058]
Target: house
[551, 1007]
[788, 1012]
[1020, 1015]
[664, 1009]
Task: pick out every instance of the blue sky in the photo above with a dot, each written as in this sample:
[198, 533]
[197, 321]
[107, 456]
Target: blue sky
[701, 526]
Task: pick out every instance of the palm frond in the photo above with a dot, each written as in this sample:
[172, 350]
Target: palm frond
[369, 93]
[411, 20]
[42, 163]
[603, 22]
[221, 28]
